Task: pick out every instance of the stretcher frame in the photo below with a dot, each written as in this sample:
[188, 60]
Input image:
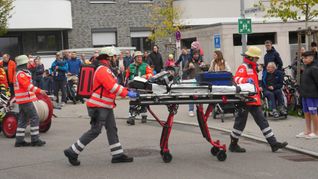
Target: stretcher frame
[173, 100]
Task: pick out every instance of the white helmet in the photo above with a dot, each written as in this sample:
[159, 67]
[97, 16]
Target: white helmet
[21, 60]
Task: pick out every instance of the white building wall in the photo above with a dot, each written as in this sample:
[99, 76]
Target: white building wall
[41, 14]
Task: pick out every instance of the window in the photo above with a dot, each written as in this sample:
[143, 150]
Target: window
[293, 38]
[102, 1]
[187, 42]
[140, 40]
[255, 38]
[100, 39]
[48, 42]
[10, 45]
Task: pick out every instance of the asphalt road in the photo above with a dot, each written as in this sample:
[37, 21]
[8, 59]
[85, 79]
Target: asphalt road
[191, 155]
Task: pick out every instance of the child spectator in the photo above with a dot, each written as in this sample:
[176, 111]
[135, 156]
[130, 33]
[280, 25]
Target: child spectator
[170, 62]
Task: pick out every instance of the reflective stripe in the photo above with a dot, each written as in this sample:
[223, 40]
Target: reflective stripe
[75, 149]
[120, 91]
[22, 94]
[233, 135]
[35, 133]
[236, 79]
[30, 86]
[34, 89]
[114, 88]
[80, 144]
[20, 129]
[117, 152]
[312, 108]
[25, 99]
[266, 130]
[103, 98]
[240, 81]
[34, 128]
[114, 145]
[20, 134]
[237, 131]
[269, 135]
[100, 103]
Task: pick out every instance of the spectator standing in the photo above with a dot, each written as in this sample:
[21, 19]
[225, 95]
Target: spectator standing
[192, 68]
[183, 59]
[295, 63]
[9, 67]
[47, 82]
[155, 59]
[272, 83]
[74, 65]
[145, 57]
[59, 69]
[94, 57]
[309, 93]
[272, 55]
[121, 69]
[127, 59]
[218, 63]
[37, 72]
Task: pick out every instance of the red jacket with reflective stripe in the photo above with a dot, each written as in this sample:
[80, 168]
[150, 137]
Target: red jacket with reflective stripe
[245, 71]
[23, 88]
[107, 89]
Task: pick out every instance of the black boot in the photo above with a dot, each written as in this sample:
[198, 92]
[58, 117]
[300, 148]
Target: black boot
[278, 145]
[22, 144]
[71, 157]
[122, 159]
[38, 143]
[234, 147]
[131, 121]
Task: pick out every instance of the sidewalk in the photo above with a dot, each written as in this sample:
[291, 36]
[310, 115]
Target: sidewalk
[285, 130]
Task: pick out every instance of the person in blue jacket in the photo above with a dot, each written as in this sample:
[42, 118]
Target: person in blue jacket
[272, 55]
[272, 83]
[59, 69]
[74, 65]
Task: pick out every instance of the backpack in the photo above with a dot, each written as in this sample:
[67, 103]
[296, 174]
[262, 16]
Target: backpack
[85, 81]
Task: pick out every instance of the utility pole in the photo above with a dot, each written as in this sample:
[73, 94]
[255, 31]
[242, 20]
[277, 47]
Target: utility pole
[244, 36]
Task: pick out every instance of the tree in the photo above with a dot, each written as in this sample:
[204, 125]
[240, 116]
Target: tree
[164, 20]
[298, 10]
[5, 9]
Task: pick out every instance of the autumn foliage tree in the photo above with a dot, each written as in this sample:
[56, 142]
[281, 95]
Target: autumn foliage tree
[5, 9]
[164, 20]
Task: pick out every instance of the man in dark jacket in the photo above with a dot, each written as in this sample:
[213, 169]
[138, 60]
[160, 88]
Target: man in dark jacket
[272, 83]
[272, 55]
[59, 69]
[155, 59]
[183, 58]
[309, 93]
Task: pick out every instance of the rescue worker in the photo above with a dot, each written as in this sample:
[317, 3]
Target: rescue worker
[10, 68]
[25, 95]
[100, 109]
[141, 69]
[246, 73]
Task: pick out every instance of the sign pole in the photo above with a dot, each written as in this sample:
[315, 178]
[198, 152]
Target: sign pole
[244, 36]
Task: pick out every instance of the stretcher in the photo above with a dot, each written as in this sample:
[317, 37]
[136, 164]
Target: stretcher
[172, 94]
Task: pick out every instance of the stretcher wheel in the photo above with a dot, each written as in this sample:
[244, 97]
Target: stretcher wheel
[10, 124]
[166, 157]
[214, 151]
[221, 155]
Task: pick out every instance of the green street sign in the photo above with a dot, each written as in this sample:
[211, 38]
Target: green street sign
[245, 26]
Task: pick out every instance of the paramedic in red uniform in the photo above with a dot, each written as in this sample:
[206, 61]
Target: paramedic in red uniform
[100, 109]
[25, 95]
[246, 73]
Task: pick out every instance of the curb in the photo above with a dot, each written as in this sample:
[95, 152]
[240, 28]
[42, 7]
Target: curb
[288, 147]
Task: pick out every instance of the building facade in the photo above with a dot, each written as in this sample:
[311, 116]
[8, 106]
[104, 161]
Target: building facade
[44, 27]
